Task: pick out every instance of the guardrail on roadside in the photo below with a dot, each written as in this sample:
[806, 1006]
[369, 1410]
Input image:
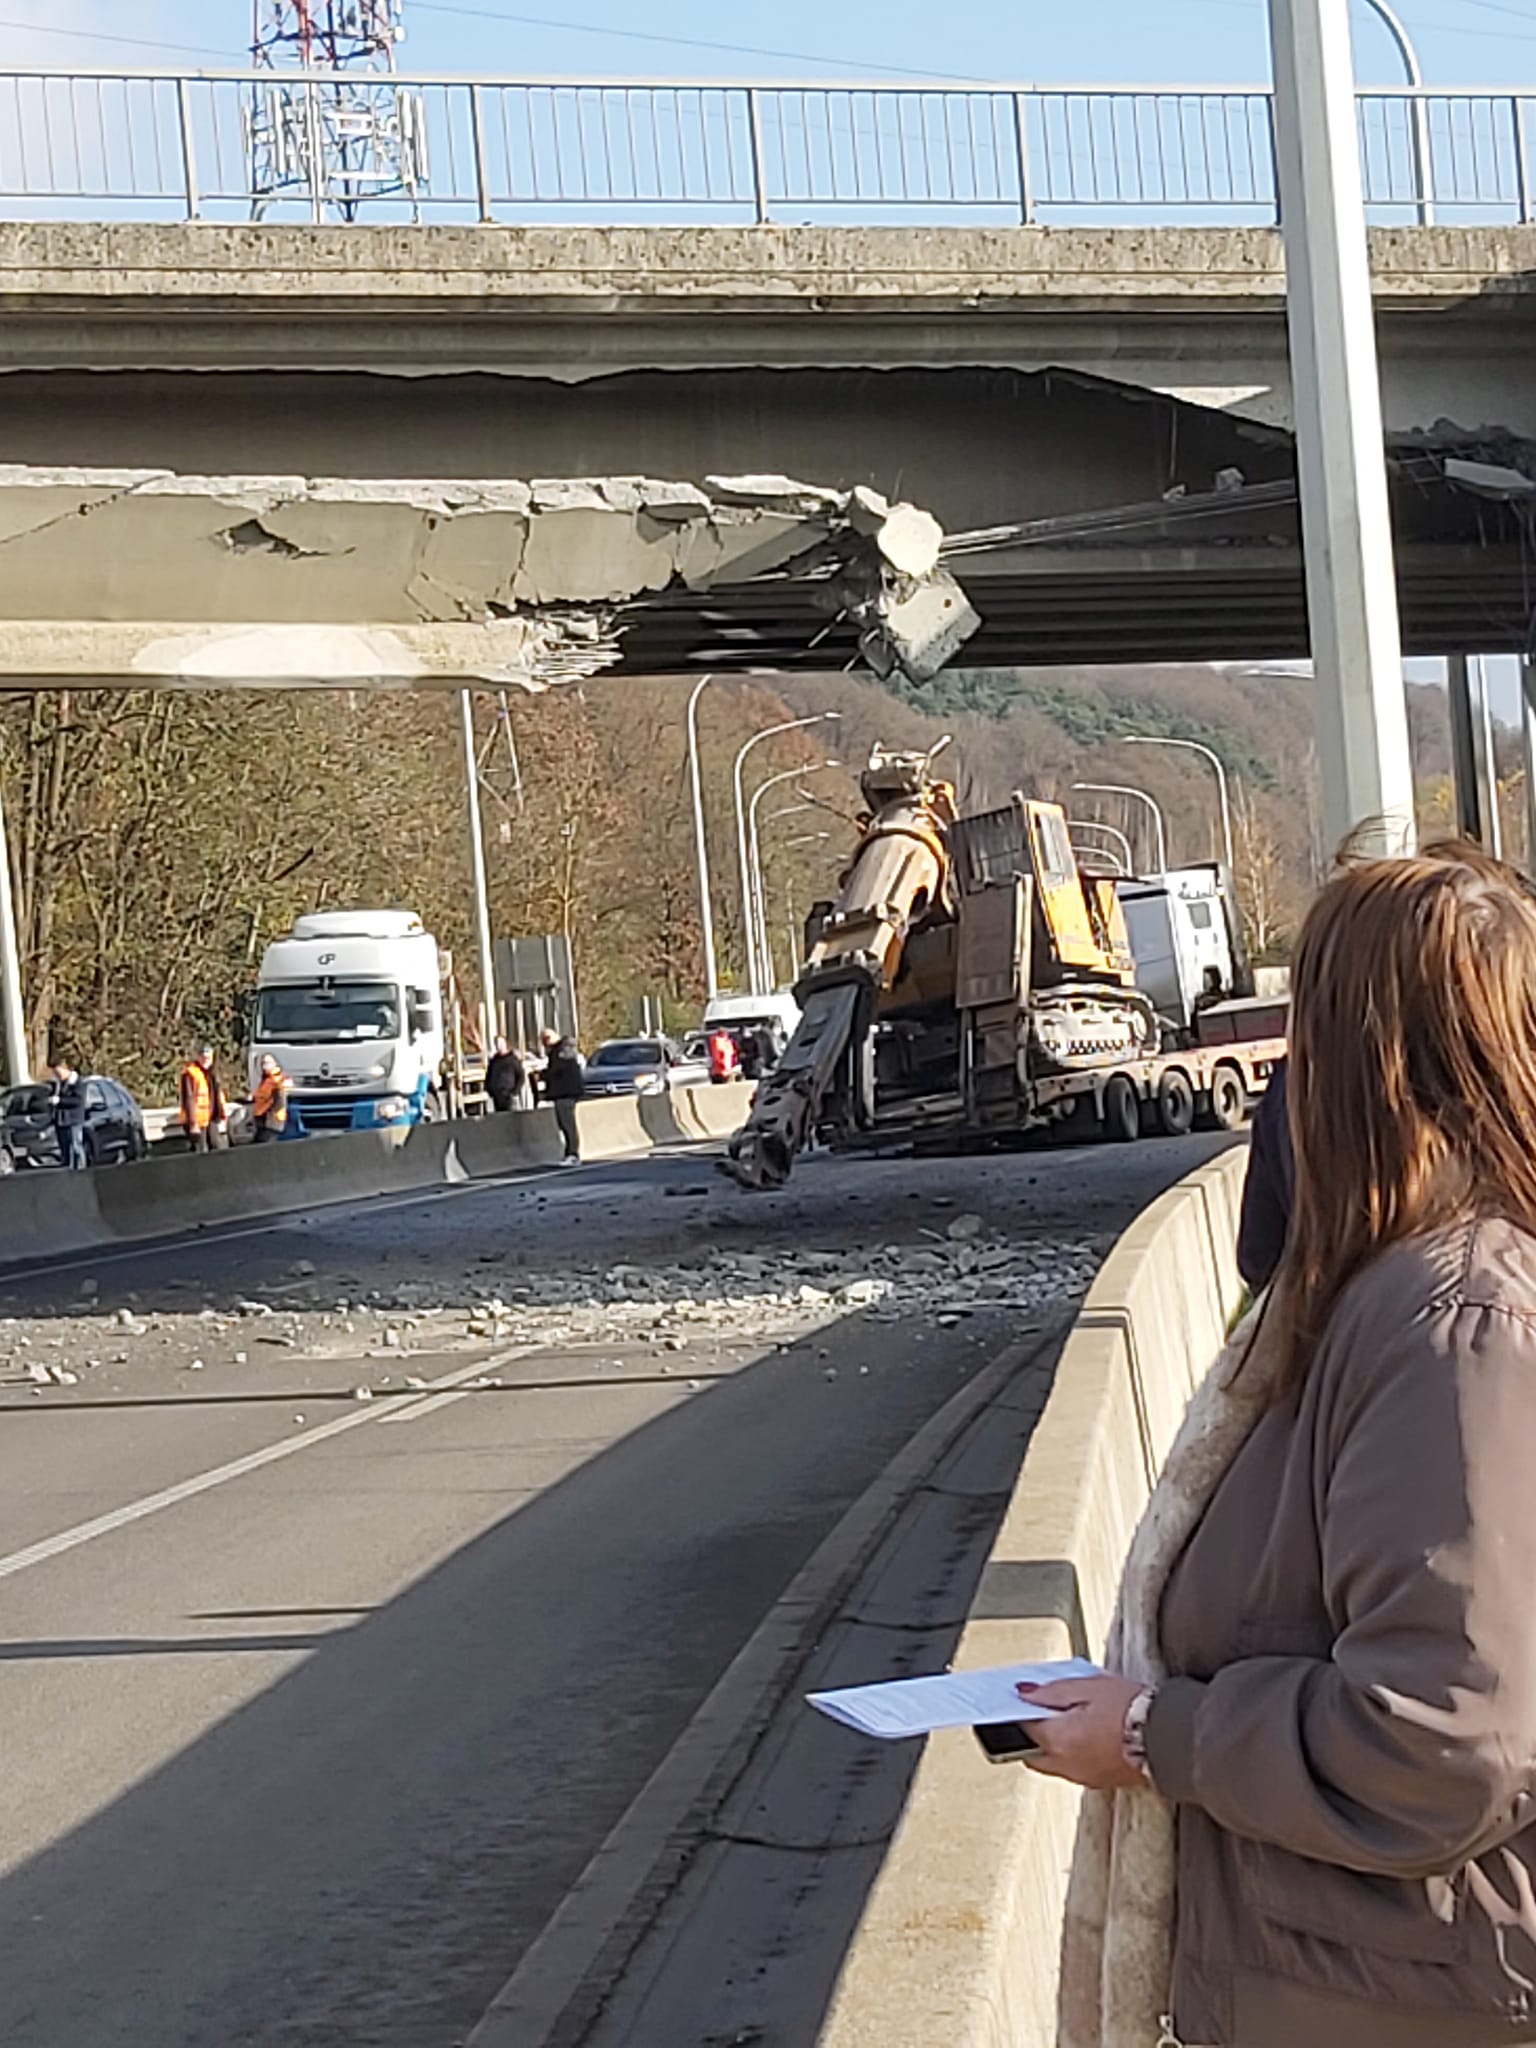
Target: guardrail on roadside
[959, 1939]
[49, 1213]
[245, 144]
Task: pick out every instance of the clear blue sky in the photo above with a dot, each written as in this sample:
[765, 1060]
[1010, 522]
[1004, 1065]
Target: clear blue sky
[1479, 42]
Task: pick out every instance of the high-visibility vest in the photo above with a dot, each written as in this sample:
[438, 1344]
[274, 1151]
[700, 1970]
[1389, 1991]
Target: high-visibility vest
[723, 1056]
[196, 1097]
[269, 1105]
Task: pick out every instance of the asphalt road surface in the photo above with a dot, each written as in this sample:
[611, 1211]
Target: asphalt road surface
[325, 1677]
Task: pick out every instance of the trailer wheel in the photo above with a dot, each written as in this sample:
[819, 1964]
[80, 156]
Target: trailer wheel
[1229, 1101]
[1175, 1104]
[1122, 1110]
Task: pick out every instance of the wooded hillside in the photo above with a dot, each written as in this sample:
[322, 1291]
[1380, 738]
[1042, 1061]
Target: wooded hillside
[160, 840]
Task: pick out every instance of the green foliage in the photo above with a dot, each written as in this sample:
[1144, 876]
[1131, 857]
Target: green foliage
[1086, 715]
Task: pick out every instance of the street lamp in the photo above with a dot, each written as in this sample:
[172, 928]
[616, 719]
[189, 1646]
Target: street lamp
[761, 956]
[477, 872]
[1423, 165]
[700, 844]
[1123, 844]
[13, 1029]
[1141, 739]
[788, 725]
[1141, 797]
[792, 927]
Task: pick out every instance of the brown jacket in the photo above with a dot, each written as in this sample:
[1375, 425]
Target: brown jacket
[1352, 1744]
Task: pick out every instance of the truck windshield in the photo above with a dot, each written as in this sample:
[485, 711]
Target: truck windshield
[327, 1012]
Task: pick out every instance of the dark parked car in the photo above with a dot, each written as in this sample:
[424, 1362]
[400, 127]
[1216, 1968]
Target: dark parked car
[114, 1125]
[643, 1066]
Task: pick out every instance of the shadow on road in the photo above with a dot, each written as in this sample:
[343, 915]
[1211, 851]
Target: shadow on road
[360, 1854]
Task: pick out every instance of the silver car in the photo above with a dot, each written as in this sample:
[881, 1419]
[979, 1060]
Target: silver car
[643, 1066]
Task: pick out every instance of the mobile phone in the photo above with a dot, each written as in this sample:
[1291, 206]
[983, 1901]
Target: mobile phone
[1005, 1742]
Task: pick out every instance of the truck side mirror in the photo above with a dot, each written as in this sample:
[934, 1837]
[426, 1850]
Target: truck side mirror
[421, 1016]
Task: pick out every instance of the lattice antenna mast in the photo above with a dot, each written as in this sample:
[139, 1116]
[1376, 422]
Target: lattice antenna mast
[346, 131]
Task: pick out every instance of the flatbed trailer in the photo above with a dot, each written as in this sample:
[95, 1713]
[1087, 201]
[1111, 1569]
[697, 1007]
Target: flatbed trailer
[1208, 1087]
[1202, 1087]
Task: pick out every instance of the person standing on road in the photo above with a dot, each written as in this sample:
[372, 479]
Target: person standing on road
[505, 1078]
[1312, 1774]
[1268, 1186]
[269, 1105]
[565, 1082]
[69, 1115]
[724, 1055]
[204, 1112]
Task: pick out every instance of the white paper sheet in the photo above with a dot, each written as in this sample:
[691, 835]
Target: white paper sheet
[953, 1699]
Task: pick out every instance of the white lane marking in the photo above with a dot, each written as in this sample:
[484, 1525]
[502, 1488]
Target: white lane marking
[426, 1404]
[220, 1475]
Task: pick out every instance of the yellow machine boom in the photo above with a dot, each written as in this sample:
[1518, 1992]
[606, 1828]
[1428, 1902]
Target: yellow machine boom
[973, 947]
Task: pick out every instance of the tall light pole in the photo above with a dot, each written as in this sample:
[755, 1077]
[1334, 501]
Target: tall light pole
[1146, 739]
[1159, 826]
[1423, 162]
[477, 870]
[762, 957]
[794, 931]
[1346, 527]
[749, 935]
[700, 841]
[13, 1023]
[1123, 851]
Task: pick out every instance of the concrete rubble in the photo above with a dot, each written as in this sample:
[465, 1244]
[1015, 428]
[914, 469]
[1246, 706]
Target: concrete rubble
[150, 576]
[715, 1296]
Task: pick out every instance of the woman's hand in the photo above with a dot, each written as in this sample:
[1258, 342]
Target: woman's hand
[1084, 1740]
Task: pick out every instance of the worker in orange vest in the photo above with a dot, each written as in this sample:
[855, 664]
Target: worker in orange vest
[724, 1055]
[269, 1105]
[204, 1112]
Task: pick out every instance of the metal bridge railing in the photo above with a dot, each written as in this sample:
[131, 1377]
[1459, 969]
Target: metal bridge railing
[150, 145]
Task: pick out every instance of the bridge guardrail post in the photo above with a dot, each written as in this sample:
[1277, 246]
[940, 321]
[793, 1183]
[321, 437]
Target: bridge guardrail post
[759, 170]
[1522, 158]
[188, 147]
[477, 136]
[1423, 161]
[316, 152]
[1021, 143]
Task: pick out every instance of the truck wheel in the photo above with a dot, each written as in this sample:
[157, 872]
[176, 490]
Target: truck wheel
[1122, 1111]
[1175, 1104]
[1229, 1101]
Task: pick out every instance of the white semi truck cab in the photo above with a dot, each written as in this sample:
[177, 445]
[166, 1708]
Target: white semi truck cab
[350, 1003]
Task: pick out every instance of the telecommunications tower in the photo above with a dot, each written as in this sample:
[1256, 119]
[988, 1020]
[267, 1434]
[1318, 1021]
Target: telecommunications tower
[342, 129]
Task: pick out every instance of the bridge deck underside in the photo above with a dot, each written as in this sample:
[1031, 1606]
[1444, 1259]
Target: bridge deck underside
[1147, 607]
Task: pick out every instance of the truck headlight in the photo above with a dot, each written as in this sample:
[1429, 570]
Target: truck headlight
[649, 1084]
[391, 1108]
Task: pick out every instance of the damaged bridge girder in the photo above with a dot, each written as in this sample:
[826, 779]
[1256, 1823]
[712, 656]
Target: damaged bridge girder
[153, 577]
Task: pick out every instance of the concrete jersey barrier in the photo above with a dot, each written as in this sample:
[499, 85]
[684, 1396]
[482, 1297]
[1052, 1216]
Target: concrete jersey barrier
[959, 1939]
[46, 1214]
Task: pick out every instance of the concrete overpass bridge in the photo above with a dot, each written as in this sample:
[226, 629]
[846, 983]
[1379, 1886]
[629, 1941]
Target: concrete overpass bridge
[1110, 402]
[1003, 379]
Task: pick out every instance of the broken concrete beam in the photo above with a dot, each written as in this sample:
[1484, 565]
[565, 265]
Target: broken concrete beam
[283, 581]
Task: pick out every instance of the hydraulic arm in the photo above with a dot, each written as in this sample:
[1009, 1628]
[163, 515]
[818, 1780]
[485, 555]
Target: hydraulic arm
[900, 877]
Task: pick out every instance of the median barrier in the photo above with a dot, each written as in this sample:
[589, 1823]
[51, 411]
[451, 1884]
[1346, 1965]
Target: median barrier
[718, 1111]
[959, 1937]
[44, 1214]
[661, 1118]
[611, 1128]
[484, 1146]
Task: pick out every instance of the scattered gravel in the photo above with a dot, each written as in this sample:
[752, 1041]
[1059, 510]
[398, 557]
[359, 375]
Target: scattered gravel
[719, 1292]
